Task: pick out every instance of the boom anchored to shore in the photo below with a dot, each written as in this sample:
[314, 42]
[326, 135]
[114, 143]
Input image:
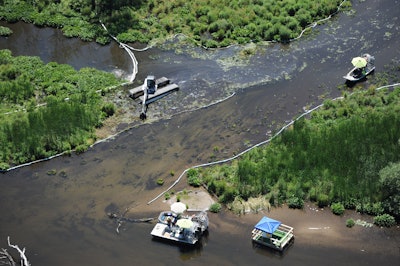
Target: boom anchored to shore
[129, 50]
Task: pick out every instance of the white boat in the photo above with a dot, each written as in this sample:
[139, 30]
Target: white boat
[360, 72]
[185, 229]
[272, 233]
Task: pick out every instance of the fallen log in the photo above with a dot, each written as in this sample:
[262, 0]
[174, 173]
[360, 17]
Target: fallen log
[125, 219]
[121, 218]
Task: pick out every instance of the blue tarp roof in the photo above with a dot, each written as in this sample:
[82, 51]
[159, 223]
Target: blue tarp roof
[267, 225]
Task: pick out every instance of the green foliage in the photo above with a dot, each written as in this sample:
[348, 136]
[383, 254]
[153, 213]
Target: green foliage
[295, 203]
[322, 200]
[160, 181]
[385, 220]
[4, 31]
[81, 148]
[193, 177]
[62, 107]
[215, 207]
[4, 166]
[337, 208]
[336, 156]
[108, 109]
[214, 23]
[350, 223]
[390, 183]
[167, 196]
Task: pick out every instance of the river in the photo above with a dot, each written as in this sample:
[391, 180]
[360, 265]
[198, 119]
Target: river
[61, 219]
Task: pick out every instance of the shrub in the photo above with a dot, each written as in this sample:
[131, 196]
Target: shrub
[193, 178]
[337, 208]
[81, 148]
[4, 166]
[284, 34]
[4, 31]
[108, 109]
[210, 44]
[215, 207]
[322, 200]
[228, 195]
[295, 203]
[384, 220]
[350, 204]
[370, 208]
[350, 223]
[160, 181]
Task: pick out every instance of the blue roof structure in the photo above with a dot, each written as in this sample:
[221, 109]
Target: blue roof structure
[268, 225]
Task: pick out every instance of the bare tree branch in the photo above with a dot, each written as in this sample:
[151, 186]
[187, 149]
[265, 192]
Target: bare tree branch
[6, 258]
[24, 259]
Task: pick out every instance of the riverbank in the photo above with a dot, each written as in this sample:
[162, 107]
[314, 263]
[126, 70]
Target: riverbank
[317, 231]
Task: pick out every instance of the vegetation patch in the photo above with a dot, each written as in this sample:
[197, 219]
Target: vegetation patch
[193, 177]
[210, 23]
[337, 208]
[215, 207]
[254, 205]
[47, 109]
[4, 31]
[350, 223]
[385, 220]
[346, 155]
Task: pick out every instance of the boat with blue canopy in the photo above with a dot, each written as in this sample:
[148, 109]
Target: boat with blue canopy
[272, 233]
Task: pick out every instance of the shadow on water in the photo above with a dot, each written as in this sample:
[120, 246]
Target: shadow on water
[61, 219]
[271, 253]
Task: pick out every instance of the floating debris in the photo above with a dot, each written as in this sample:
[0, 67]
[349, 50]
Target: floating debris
[363, 223]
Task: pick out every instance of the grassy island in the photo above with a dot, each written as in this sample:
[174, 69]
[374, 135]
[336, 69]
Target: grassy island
[49, 108]
[211, 23]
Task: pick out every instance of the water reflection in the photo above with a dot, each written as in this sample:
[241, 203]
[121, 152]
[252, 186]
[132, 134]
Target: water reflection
[51, 46]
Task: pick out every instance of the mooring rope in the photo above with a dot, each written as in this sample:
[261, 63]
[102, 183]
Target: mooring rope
[256, 145]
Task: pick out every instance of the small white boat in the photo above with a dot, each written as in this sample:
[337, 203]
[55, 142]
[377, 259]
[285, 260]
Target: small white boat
[272, 233]
[361, 70]
[185, 229]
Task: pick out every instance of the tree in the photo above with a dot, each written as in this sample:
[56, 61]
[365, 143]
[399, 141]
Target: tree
[390, 182]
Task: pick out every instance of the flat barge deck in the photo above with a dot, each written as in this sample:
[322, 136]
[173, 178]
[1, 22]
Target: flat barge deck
[273, 234]
[163, 88]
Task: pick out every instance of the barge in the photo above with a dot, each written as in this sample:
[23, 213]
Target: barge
[183, 229]
[272, 233]
[152, 90]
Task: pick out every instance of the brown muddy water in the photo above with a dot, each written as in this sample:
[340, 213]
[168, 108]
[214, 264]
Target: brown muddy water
[61, 219]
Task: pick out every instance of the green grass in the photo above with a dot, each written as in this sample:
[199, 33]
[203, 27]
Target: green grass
[48, 108]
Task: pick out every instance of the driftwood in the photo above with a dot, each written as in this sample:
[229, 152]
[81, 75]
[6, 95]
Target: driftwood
[7, 259]
[121, 219]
